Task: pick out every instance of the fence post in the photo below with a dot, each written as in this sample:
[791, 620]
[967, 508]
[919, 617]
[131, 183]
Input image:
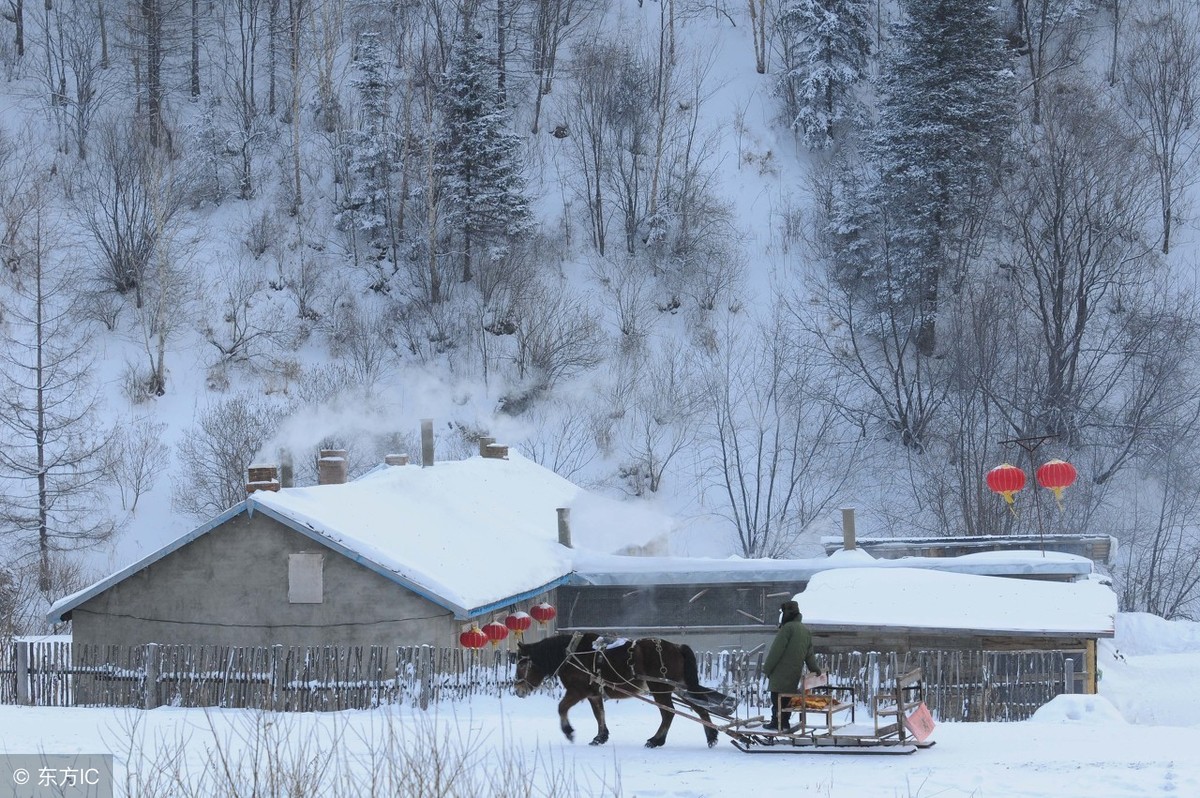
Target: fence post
[24, 695]
[150, 677]
[425, 675]
[1069, 676]
[277, 676]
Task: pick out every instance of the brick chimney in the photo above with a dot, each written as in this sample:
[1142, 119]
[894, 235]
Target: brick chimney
[262, 476]
[332, 467]
[395, 459]
[489, 448]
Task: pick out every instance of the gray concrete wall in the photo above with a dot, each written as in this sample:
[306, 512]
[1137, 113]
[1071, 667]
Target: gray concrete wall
[230, 587]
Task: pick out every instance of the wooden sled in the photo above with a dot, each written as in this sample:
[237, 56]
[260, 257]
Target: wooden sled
[827, 724]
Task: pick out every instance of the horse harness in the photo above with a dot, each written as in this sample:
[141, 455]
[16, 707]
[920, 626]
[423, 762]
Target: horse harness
[627, 685]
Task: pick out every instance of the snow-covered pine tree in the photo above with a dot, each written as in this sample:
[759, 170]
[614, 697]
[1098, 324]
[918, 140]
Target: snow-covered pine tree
[372, 147]
[827, 45]
[478, 155]
[945, 113]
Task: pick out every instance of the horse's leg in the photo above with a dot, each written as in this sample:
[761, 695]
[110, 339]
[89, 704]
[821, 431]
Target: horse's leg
[710, 733]
[569, 700]
[597, 703]
[662, 696]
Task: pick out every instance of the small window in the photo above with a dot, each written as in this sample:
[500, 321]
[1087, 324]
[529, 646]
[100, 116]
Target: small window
[306, 584]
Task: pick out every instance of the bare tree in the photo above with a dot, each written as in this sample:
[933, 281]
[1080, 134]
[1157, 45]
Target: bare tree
[129, 197]
[1159, 567]
[326, 22]
[555, 336]
[1162, 91]
[361, 339]
[781, 454]
[1076, 213]
[74, 76]
[1050, 33]
[15, 13]
[596, 68]
[876, 344]
[54, 454]
[663, 416]
[238, 321]
[551, 22]
[19, 170]
[563, 437]
[139, 457]
[626, 287]
[298, 12]
[213, 455]
[238, 69]
[760, 24]
[1118, 9]
[23, 606]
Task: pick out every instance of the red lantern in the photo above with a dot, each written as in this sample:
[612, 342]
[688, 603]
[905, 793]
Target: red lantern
[473, 638]
[543, 612]
[1006, 480]
[495, 632]
[1056, 475]
[519, 622]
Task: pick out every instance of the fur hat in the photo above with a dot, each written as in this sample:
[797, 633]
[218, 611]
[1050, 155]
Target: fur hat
[789, 607]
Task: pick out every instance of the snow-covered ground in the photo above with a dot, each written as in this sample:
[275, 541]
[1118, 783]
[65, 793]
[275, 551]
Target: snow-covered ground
[1139, 737]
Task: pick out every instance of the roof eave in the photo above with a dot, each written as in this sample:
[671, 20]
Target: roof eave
[858, 628]
[528, 594]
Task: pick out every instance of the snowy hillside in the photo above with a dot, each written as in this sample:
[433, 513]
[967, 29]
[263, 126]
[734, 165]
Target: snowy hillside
[746, 263]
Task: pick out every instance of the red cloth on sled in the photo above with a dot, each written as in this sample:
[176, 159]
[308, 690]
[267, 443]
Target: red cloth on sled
[919, 723]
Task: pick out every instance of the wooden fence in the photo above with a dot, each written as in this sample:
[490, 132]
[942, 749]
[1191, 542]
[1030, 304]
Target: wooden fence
[960, 685]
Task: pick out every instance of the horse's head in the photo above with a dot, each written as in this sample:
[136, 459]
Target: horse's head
[529, 675]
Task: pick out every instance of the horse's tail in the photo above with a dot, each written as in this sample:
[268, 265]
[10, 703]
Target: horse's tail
[691, 675]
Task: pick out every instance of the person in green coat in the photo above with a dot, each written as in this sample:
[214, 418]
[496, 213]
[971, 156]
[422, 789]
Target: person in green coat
[790, 651]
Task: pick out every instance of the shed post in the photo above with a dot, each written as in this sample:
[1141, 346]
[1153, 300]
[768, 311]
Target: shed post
[150, 677]
[1069, 675]
[23, 693]
[1091, 677]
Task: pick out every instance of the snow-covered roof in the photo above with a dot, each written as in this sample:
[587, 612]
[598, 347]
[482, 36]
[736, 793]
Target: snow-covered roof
[601, 569]
[471, 535]
[916, 599]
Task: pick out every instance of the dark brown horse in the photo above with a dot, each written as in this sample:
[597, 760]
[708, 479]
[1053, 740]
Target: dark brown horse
[594, 668]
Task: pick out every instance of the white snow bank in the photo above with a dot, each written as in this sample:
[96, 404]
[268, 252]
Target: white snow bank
[1143, 633]
[1078, 709]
